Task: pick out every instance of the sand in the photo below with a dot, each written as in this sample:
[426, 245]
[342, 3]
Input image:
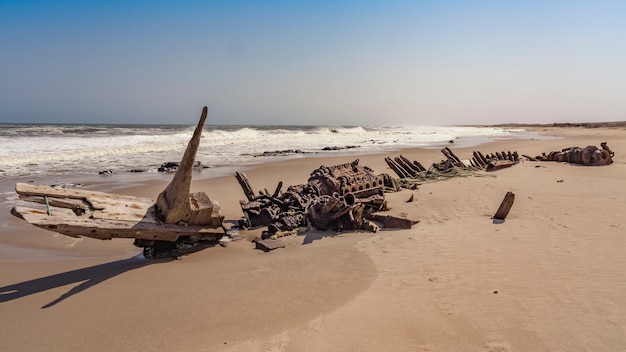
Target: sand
[552, 277]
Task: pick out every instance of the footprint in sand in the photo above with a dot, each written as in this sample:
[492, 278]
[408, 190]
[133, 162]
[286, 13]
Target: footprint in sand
[278, 343]
[497, 346]
[438, 219]
[447, 308]
[435, 278]
[317, 324]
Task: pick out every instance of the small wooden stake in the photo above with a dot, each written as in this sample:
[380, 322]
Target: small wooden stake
[505, 206]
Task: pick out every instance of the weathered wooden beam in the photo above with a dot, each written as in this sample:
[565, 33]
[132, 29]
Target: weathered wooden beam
[482, 158]
[410, 165]
[477, 160]
[452, 155]
[102, 216]
[405, 167]
[396, 168]
[495, 165]
[505, 206]
[419, 165]
[278, 188]
[389, 221]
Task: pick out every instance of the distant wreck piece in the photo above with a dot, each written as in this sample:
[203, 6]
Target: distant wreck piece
[406, 169]
[173, 226]
[588, 156]
[335, 197]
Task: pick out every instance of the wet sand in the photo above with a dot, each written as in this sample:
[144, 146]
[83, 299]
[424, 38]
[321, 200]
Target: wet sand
[552, 277]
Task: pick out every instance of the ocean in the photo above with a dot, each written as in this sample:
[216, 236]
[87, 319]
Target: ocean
[56, 150]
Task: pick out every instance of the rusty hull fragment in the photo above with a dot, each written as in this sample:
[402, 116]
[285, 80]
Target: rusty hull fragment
[335, 197]
[588, 156]
[494, 161]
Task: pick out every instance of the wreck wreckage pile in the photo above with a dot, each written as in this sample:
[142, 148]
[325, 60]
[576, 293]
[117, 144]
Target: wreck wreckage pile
[340, 197]
[406, 169]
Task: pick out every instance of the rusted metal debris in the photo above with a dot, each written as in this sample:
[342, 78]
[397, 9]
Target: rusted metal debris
[451, 161]
[335, 197]
[494, 161]
[406, 169]
[588, 156]
[173, 225]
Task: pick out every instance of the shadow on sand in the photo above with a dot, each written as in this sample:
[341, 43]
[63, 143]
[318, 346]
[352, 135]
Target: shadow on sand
[87, 277]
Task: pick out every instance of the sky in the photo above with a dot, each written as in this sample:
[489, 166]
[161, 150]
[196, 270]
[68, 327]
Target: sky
[312, 62]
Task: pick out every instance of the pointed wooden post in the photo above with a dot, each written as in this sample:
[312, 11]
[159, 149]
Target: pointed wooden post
[175, 203]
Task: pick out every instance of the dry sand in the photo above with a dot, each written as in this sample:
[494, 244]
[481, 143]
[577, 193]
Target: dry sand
[552, 277]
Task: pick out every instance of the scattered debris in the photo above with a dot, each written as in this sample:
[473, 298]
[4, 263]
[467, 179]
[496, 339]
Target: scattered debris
[172, 166]
[341, 148]
[452, 161]
[335, 197]
[494, 161]
[284, 152]
[588, 156]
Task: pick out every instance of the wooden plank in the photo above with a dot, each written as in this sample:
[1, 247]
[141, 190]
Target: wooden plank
[505, 206]
[495, 165]
[245, 185]
[64, 221]
[71, 193]
[77, 204]
[98, 205]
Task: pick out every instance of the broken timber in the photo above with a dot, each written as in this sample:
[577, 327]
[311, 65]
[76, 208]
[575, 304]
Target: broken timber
[177, 220]
[407, 169]
[505, 207]
[489, 162]
[494, 161]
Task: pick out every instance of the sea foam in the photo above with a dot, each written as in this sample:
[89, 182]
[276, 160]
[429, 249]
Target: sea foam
[46, 150]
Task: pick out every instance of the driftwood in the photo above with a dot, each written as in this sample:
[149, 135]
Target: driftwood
[177, 220]
[588, 156]
[505, 207]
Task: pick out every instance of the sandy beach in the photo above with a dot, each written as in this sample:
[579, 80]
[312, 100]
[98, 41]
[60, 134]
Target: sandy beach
[552, 277]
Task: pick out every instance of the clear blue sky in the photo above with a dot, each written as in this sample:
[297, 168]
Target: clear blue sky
[313, 62]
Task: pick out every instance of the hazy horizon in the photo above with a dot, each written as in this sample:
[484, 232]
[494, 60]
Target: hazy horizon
[312, 63]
